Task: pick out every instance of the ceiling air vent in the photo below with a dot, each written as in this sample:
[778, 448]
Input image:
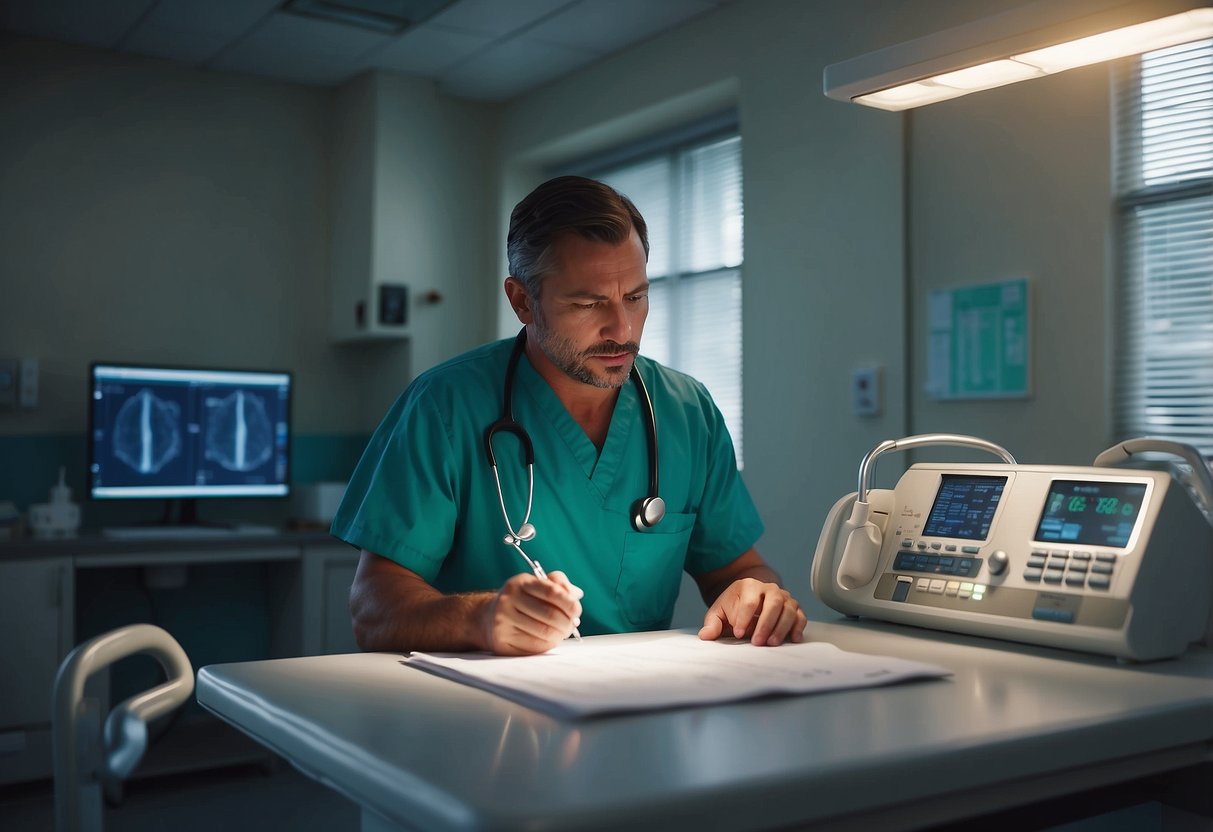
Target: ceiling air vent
[388, 16]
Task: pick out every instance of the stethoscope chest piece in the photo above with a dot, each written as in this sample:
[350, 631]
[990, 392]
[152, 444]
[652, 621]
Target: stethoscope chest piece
[524, 533]
[647, 512]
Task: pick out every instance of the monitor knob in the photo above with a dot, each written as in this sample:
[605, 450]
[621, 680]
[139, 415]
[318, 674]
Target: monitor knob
[998, 562]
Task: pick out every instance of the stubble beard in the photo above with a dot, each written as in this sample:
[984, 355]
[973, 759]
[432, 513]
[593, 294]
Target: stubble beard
[572, 362]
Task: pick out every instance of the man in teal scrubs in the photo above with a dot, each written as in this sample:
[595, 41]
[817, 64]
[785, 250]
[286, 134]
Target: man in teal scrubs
[426, 509]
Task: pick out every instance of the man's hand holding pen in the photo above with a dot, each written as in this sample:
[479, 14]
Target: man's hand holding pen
[532, 615]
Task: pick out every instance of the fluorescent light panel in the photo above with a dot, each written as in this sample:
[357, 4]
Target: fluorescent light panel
[965, 64]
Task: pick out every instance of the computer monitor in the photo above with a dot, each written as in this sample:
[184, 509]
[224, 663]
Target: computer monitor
[180, 433]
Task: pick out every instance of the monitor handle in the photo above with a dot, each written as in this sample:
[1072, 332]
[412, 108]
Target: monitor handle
[1199, 483]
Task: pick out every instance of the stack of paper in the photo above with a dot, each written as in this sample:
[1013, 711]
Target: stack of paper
[606, 674]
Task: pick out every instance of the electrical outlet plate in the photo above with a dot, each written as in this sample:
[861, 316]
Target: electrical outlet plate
[865, 391]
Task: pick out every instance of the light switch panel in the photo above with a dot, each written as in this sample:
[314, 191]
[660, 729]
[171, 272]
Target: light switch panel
[865, 391]
[8, 382]
[27, 390]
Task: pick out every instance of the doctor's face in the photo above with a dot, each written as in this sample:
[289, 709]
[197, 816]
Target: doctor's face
[592, 307]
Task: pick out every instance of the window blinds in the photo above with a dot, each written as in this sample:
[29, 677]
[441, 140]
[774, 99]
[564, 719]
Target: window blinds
[1164, 359]
[690, 196]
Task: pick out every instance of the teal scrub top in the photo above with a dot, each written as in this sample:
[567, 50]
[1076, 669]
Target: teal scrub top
[424, 496]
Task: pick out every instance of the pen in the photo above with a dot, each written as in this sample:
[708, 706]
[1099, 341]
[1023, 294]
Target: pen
[539, 573]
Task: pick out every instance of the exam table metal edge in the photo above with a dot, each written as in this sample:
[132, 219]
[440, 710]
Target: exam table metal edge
[1014, 725]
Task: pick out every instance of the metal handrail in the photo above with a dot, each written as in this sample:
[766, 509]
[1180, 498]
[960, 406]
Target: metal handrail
[81, 754]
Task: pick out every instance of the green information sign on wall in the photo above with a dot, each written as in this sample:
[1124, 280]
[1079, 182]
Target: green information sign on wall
[979, 342]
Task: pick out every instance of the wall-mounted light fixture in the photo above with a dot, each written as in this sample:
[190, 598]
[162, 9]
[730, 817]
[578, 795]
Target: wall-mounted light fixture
[1030, 41]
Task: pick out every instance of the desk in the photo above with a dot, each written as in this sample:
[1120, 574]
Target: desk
[1013, 726]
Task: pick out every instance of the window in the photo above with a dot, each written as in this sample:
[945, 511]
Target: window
[1164, 335]
[689, 193]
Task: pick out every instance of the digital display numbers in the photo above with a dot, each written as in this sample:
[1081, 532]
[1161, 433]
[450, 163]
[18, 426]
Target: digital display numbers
[1094, 513]
[964, 507]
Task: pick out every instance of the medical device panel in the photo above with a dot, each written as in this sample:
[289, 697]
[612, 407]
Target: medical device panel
[1105, 560]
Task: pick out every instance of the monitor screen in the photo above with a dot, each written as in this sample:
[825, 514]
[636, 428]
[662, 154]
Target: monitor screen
[964, 507]
[1094, 513]
[163, 432]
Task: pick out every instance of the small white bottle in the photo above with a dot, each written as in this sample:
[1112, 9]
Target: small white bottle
[58, 518]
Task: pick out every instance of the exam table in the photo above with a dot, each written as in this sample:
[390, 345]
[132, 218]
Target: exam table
[1014, 726]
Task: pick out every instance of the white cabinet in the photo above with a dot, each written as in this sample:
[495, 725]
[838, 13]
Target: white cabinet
[368, 298]
[36, 620]
[412, 196]
[328, 572]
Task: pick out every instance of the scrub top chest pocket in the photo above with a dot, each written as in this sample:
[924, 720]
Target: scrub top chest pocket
[650, 573]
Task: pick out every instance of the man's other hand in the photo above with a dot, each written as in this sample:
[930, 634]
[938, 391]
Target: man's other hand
[765, 613]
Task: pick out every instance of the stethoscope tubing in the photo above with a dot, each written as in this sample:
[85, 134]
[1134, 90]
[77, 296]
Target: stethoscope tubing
[507, 424]
[530, 495]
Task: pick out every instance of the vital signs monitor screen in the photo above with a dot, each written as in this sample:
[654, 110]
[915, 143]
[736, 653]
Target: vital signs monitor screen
[964, 507]
[1094, 513]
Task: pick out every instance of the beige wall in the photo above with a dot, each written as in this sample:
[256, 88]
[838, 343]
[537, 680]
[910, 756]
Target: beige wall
[1016, 183]
[156, 213]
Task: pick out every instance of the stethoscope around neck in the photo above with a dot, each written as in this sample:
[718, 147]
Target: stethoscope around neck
[646, 512]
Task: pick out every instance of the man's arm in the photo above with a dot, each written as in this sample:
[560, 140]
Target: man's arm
[394, 609]
[745, 597]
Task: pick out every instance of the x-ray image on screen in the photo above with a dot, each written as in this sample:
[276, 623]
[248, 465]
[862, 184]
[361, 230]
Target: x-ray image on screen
[147, 433]
[161, 432]
[239, 435]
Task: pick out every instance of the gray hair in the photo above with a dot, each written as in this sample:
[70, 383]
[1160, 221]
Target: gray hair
[588, 208]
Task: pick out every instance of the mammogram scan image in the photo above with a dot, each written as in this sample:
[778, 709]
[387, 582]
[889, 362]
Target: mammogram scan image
[147, 434]
[177, 432]
[239, 431]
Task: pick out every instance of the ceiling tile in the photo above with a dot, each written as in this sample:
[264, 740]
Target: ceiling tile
[100, 23]
[288, 37]
[481, 49]
[210, 17]
[607, 27]
[187, 47]
[511, 67]
[303, 50]
[428, 49]
[194, 31]
[495, 17]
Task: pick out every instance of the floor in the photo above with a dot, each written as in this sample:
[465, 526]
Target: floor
[229, 800]
[263, 798]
